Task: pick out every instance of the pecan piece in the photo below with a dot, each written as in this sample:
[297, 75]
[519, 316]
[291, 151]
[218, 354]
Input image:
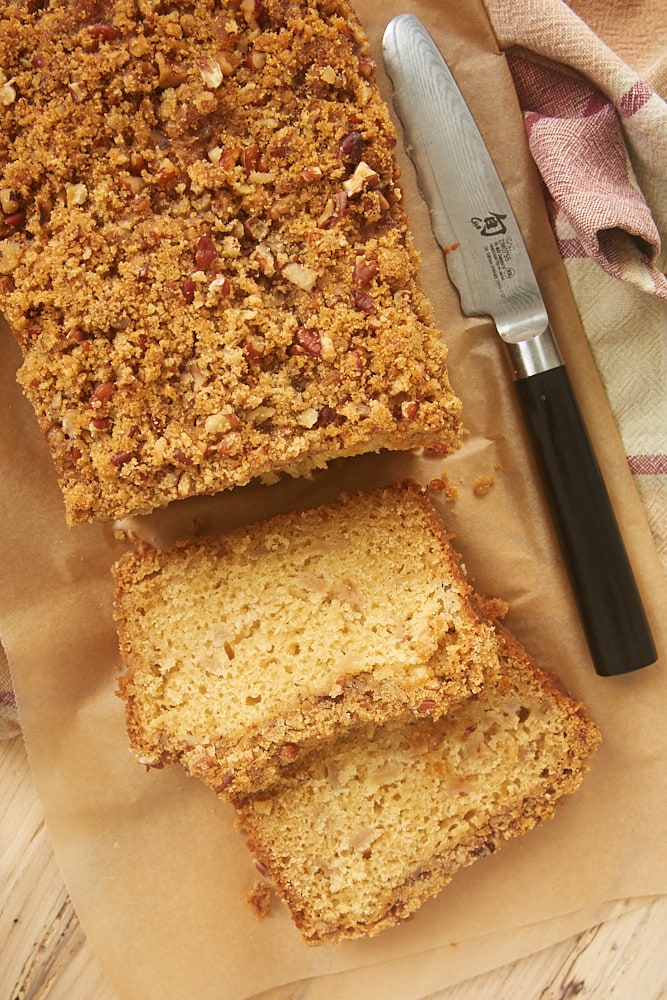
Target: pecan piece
[255, 60]
[169, 73]
[16, 219]
[206, 253]
[103, 32]
[253, 12]
[102, 393]
[364, 301]
[312, 173]
[309, 341]
[326, 416]
[362, 178]
[300, 275]
[7, 93]
[167, 174]
[122, 458]
[254, 348]
[351, 148]
[251, 158]
[364, 271]
[210, 71]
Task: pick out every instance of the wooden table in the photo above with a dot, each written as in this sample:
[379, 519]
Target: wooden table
[44, 952]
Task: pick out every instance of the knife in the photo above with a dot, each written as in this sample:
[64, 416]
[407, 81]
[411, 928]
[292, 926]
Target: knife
[487, 261]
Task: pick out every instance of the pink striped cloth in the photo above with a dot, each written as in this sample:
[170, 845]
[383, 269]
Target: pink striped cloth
[576, 137]
[591, 78]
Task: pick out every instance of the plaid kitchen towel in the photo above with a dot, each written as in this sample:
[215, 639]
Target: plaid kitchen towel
[591, 79]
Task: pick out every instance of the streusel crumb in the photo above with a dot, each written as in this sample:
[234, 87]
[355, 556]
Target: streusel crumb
[203, 250]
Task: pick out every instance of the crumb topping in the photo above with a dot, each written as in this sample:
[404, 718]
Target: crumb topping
[203, 250]
[482, 485]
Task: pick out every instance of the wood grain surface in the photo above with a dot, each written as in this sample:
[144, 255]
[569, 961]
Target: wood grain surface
[44, 952]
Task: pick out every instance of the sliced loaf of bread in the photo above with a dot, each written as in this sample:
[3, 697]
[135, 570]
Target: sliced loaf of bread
[245, 650]
[357, 836]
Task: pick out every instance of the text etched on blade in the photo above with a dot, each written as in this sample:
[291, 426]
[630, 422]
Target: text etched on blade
[498, 246]
[492, 224]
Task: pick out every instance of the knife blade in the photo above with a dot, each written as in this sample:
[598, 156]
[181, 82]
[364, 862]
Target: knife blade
[488, 262]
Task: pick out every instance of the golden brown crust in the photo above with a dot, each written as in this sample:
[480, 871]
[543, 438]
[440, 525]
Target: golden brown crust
[349, 862]
[203, 252]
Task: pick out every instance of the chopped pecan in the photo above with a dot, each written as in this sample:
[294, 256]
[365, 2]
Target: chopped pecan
[102, 393]
[220, 285]
[251, 158]
[103, 32]
[362, 178]
[364, 301]
[255, 60]
[137, 163]
[254, 348]
[9, 201]
[7, 93]
[364, 271]
[326, 416]
[312, 173]
[76, 194]
[368, 69]
[230, 157]
[351, 148]
[16, 220]
[300, 275]
[167, 174]
[169, 73]
[188, 289]
[309, 340]
[206, 253]
[122, 458]
[210, 71]
[253, 12]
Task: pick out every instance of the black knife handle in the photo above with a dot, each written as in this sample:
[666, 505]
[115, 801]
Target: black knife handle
[611, 609]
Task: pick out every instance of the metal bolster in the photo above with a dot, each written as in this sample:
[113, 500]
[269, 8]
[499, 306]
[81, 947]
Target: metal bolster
[535, 355]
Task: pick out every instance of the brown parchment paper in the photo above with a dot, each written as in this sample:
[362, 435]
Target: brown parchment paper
[153, 863]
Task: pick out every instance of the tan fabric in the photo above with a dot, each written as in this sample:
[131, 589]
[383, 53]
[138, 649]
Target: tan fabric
[591, 78]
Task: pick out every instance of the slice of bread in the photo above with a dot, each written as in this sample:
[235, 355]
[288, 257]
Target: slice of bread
[245, 650]
[358, 835]
[203, 250]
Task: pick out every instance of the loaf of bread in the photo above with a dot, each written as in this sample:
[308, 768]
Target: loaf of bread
[243, 651]
[357, 836]
[203, 250]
